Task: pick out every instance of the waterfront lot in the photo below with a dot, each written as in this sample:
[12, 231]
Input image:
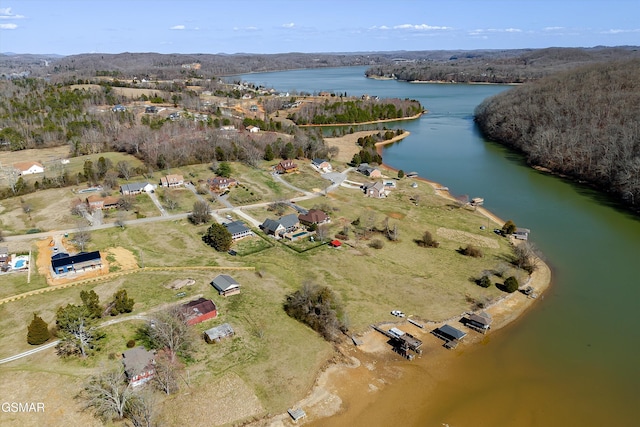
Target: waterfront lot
[273, 358]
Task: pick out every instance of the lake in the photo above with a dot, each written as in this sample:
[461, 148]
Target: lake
[573, 360]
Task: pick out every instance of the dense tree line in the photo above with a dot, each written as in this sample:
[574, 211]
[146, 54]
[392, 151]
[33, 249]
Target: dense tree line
[514, 66]
[581, 123]
[354, 111]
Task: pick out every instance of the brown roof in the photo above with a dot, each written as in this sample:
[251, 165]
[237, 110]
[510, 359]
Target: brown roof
[23, 166]
[106, 201]
[287, 164]
[198, 307]
[172, 179]
[314, 216]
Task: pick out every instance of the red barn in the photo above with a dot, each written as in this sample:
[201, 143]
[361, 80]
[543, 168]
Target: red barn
[199, 310]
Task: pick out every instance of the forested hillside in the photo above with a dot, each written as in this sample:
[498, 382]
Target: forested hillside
[583, 123]
[508, 66]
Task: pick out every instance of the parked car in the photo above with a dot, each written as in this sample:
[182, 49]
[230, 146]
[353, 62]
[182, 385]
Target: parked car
[397, 313]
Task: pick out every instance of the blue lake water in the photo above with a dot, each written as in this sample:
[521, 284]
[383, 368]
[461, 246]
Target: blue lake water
[573, 359]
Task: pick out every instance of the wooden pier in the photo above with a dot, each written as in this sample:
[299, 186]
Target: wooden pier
[403, 342]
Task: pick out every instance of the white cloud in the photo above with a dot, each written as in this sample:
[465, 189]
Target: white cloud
[8, 26]
[494, 30]
[553, 28]
[289, 25]
[246, 28]
[5, 13]
[420, 27]
[620, 31]
[177, 27]
[410, 27]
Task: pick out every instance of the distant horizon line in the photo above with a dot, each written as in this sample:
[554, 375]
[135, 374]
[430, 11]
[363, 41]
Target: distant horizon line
[323, 53]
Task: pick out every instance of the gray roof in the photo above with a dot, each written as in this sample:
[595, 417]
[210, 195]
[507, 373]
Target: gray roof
[224, 282]
[236, 227]
[218, 332]
[377, 185]
[270, 225]
[4, 250]
[452, 332]
[133, 187]
[137, 360]
[318, 162]
[288, 221]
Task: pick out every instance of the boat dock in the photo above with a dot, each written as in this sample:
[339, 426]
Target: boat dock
[403, 342]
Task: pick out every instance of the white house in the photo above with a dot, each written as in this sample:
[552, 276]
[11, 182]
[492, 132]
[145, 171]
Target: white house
[253, 129]
[28, 168]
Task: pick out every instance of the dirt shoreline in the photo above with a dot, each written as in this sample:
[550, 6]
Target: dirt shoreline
[334, 392]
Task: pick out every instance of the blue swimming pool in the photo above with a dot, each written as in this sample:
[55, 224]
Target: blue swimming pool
[19, 263]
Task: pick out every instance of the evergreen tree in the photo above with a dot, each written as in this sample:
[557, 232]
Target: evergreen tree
[289, 151]
[400, 174]
[511, 284]
[268, 153]
[77, 330]
[91, 301]
[38, 331]
[224, 169]
[218, 237]
[121, 303]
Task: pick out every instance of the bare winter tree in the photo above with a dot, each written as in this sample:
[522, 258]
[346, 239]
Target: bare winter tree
[167, 372]
[141, 409]
[201, 212]
[108, 394]
[82, 235]
[526, 256]
[169, 200]
[169, 330]
[124, 169]
[322, 232]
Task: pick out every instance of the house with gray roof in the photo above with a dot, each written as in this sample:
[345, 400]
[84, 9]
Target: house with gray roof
[225, 285]
[369, 171]
[289, 222]
[285, 224]
[139, 365]
[238, 229]
[272, 226]
[375, 190]
[136, 188]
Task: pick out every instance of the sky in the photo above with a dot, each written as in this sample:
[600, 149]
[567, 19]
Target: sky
[68, 27]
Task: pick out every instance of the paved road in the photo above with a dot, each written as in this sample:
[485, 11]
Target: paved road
[336, 177]
[154, 199]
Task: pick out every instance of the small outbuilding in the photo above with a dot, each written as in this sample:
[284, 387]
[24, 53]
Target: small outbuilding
[335, 243]
[214, 335]
[225, 285]
[479, 322]
[449, 334]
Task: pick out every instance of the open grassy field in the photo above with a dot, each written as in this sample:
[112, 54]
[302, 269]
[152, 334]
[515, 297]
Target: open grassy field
[272, 360]
[307, 178]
